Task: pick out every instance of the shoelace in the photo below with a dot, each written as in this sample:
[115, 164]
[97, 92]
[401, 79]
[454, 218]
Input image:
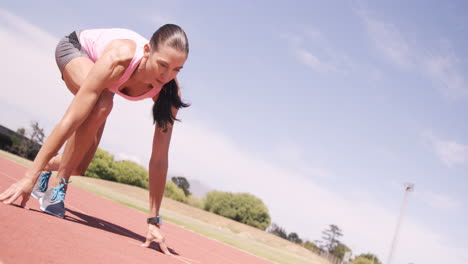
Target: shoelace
[59, 192]
[44, 180]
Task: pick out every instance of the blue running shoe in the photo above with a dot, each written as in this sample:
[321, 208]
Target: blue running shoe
[41, 185]
[53, 200]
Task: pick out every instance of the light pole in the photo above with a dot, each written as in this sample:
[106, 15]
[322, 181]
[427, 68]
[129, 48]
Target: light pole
[409, 187]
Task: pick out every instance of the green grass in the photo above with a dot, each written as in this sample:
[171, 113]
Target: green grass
[246, 238]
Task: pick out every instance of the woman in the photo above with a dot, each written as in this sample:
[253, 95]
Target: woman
[95, 65]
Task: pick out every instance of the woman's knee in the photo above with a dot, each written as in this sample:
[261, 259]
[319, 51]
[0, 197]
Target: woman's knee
[103, 107]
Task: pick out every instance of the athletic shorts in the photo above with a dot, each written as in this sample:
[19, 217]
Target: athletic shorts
[68, 48]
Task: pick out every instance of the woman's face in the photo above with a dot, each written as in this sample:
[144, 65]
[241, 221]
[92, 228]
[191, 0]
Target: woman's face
[163, 65]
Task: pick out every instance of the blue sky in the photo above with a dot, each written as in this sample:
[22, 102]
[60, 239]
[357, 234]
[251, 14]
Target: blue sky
[322, 109]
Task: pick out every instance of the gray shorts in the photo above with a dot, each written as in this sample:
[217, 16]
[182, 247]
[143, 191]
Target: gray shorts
[68, 48]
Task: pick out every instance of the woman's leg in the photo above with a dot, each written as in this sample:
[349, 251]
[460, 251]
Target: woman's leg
[75, 150]
[54, 163]
[82, 145]
[84, 164]
[82, 140]
[74, 74]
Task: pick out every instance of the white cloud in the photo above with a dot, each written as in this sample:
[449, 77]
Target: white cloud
[439, 201]
[199, 151]
[312, 49]
[443, 70]
[449, 152]
[125, 156]
[292, 39]
[312, 61]
[315, 35]
[327, 64]
[30, 78]
[390, 42]
[292, 156]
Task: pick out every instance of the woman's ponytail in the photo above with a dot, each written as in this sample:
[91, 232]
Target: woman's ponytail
[162, 108]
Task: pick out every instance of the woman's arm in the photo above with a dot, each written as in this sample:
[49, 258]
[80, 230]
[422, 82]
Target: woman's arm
[158, 167]
[159, 162]
[157, 179]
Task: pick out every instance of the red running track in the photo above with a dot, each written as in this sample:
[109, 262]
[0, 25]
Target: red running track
[96, 230]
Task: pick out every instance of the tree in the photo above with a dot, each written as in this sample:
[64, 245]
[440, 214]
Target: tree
[21, 131]
[320, 244]
[172, 191]
[361, 260]
[19, 146]
[183, 184]
[195, 201]
[366, 259]
[339, 250]
[294, 237]
[37, 134]
[102, 166]
[277, 230]
[16, 145]
[28, 147]
[241, 207]
[330, 237]
[129, 172]
[252, 211]
[221, 203]
[311, 246]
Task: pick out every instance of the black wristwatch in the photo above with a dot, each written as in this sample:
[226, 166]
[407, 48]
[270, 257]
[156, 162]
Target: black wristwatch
[155, 220]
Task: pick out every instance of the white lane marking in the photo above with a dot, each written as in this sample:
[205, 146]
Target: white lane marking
[183, 259]
[189, 259]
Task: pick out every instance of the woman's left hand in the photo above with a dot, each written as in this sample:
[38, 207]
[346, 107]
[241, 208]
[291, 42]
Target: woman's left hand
[154, 234]
[22, 188]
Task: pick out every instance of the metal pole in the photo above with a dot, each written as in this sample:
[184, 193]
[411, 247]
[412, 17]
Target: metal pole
[409, 187]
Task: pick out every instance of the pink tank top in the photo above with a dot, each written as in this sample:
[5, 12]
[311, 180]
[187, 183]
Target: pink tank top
[94, 41]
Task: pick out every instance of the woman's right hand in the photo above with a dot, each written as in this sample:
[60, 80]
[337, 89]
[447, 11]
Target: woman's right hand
[154, 234]
[22, 188]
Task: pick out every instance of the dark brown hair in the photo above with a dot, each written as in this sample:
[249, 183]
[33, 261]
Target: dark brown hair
[172, 36]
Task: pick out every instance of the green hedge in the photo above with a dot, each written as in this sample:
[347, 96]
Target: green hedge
[241, 207]
[172, 191]
[103, 166]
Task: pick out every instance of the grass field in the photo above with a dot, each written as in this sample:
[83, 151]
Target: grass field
[246, 238]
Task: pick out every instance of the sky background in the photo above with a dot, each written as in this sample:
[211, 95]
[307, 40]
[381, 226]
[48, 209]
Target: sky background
[323, 109]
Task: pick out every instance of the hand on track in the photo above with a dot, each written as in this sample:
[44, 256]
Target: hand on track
[22, 188]
[154, 234]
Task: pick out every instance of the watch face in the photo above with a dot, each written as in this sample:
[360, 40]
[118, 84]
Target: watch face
[155, 220]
